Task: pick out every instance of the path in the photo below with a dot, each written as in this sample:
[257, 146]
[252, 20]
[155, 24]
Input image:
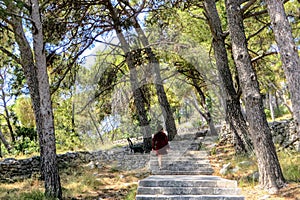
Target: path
[186, 175]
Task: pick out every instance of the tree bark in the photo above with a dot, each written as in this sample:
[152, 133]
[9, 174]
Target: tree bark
[4, 141]
[139, 103]
[160, 91]
[29, 69]
[35, 71]
[270, 174]
[206, 116]
[47, 139]
[96, 126]
[233, 110]
[162, 97]
[288, 53]
[7, 116]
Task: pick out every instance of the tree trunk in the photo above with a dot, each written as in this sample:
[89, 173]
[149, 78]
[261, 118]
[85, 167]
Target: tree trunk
[271, 176]
[205, 115]
[135, 86]
[139, 104]
[96, 127]
[160, 91]
[233, 110]
[29, 69]
[4, 141]
[47, 140]
[7, 117]
[48, 155]
[271, 106]
[163, 100]
[288, 53]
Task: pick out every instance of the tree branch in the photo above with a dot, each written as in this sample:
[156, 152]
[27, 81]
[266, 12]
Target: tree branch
[257, 32]
[10, 54]
[262, 56]
[247, 5]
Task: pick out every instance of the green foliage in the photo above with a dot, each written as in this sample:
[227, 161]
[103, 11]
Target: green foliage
[34, 195]
[25, 147]
[132, 193]
[278, 112]
[19, 194]
[23, 132]
[24, 112]
[26, 141]
[213, 151]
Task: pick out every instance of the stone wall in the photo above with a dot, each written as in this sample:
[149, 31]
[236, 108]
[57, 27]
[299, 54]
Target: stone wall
[283, 133]
[17, 169]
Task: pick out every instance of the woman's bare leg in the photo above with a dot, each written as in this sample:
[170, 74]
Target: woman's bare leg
[159, 160]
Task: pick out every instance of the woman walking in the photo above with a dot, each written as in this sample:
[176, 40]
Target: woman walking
[160, 144]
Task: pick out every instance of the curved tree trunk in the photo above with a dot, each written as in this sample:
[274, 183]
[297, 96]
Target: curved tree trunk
[233, 110]
[160, 91]
[288, 54]
[270, 174]
[135, 86]
[162, 98]
[206, 116]
[139, 104]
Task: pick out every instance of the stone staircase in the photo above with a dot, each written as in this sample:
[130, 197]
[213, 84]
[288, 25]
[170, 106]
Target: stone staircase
[186, 174]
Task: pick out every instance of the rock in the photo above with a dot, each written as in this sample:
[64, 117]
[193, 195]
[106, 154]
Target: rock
[91, 165]
[256, 176]
[225, 168]
[236, 169]
[245, 163]
[264, 197]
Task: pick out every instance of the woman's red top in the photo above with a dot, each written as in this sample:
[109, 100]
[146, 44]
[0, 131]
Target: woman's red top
[159, 140]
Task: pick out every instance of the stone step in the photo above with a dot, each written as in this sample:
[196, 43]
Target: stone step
[181, 165]
[203, 171]
[186, 181]
[186, 151]
[175, 154]
[181, 161]
[181, 158]
[189, 197]
[187, 167]
[187, 191]
[186, 175]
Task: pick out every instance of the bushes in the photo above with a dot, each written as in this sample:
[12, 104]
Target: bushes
[26, 142]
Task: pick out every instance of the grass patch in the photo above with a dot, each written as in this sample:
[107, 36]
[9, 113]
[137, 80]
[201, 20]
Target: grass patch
[290, 164]
[131, 194]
